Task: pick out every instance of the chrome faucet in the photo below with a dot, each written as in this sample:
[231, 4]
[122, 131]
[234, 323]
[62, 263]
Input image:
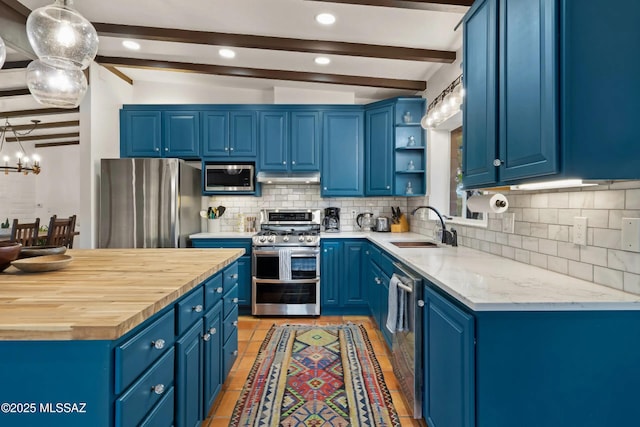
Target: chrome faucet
[448, 237]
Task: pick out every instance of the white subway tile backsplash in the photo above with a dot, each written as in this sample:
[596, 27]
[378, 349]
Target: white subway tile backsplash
[540, 200]
[523, 256]
[559, 232]
[559, 265]
[531, 215]
[626, 261]
[548, 247]
[581, 199]
[523, 228]
[515, 240]
[540, 230]
[593, 255]
[565, 216]
[530, 243]
[569, 251]
[539, 260]
[608, 277]
[581, 270]
[502, 238]
[609, 199]
[632, 283]
[632, 199]
[607, 238]
[549, 216]
[597, 217]
[558, 200]
[508, 252]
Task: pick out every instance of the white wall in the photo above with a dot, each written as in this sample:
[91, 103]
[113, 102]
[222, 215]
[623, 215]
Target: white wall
[57, 186]
[287, 95]
[175, 93]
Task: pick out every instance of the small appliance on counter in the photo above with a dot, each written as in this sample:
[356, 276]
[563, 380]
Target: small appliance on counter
[383, 224]
[331, 222]
[365, 221]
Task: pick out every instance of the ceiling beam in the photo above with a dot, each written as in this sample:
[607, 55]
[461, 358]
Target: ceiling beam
[50, 125]
[260, 73]
[38, 112]
[14, 92]
[119, 74]
[275, 43]
[56, 144]
[15, 65]
[42, 137]
[12, 26]
[459, 6]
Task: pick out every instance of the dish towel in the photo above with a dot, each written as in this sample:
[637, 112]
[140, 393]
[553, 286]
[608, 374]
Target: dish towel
[395, 313]
[285, 263]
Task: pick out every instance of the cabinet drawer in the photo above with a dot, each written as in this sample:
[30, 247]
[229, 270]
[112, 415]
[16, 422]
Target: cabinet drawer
[135, 355]
[189, 310]
[386, 264]
[230, 352]
[162, 414]
[213, 291]
[230, 276]
[133, 405]
[375, 254]
[230, 323]
[230, 301]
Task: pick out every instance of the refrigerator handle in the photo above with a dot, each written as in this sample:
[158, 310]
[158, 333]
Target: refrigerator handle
[173, 203]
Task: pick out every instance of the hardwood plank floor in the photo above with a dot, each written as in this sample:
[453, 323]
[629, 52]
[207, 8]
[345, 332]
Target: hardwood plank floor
[251, 333]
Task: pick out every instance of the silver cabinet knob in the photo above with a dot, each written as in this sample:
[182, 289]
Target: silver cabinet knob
[219, 289]
[325, 188]
[206, 337]
[497, 162]
[234, 276]
[158, 388]
[420, 303]
[235, 352]
[235, 300]
[213, 331]
[226, 148]
[157, 149]
[284, 163]
[235, 323]
[197, 308]
[378, 281]
[158, 344]
[388, 187]
[231, 149]
[166, 149]
[325, 251]
[293, 162]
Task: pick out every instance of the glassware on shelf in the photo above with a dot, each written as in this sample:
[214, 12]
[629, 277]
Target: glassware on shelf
[410, 165]
[407, 117]
[409, 189]
[411, 142]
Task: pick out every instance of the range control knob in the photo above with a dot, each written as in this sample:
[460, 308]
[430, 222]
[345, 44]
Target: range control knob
[309, 239]
[301, 238]
[285, 238]
[272, 238]
[263, 239]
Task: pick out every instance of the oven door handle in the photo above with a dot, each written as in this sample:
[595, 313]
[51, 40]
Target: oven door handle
[280, 282]
[294, 252]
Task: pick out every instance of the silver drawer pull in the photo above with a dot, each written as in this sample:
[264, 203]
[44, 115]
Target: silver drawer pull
[234, 276]
[158, 389]
[235, 352]
[197, 308]
[206, 337]
[219, 290]
[213, 331]
[235, 300]
[378, 281]
[158, 344]
[235, 323]
[420, 303]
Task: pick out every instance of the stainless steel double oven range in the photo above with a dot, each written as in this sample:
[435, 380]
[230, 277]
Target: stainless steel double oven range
[286, 263]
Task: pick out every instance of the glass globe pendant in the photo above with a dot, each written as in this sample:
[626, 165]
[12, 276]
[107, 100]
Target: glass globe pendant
[62, 37]
[56, 87]
[3, 52]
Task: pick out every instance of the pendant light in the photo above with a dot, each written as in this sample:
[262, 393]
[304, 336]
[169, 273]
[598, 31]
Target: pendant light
[65, 43]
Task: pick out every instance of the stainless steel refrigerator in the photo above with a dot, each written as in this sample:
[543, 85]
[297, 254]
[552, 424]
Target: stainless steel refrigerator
[148, 203]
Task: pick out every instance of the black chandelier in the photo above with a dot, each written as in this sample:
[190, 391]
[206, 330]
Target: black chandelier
[24, 164]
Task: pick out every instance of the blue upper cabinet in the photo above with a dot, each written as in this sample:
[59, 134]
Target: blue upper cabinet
[342, 154]
[379, 151]
[140, 133]
[181, 134]
[274, 140]
[229, 134]
[305, 141]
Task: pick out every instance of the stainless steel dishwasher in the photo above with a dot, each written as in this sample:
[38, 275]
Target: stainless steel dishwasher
[406, 345]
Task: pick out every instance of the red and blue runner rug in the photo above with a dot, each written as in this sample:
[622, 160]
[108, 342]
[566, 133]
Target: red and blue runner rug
[315, 376]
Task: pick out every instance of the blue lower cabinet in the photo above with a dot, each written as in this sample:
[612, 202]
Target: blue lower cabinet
[213, 338]
[244, 282]
[230, 352]
[163, 413]
[449, 361]
[343, 276]
[189, 381]
[330, 274]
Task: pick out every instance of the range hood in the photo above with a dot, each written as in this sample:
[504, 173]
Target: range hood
[288, 178]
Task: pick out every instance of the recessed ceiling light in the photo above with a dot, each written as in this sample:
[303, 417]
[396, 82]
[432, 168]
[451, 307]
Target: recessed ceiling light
[325, 18]
[130, 44]
[322, 60]
[227, 53]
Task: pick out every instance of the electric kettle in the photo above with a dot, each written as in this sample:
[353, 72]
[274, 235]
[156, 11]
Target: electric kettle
[365, 221]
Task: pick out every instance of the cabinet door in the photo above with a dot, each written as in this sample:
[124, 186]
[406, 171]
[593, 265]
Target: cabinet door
[480, 105]
[342, 154]
[243, 134]
[274, 140]
[379, 151]
[373, 291]
[449, 362]
[244, 282]
[140, 133]
[528, 88]
[181, 134]
[305, 141]
[212, 356]
[352, 291]
[215, 133]
[330, 273]
[384, 307]
[189, 389]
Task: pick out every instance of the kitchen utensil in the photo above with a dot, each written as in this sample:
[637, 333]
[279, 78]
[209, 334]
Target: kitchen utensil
[42, 263]
[220, 211]
[383, 224]
[395, 215]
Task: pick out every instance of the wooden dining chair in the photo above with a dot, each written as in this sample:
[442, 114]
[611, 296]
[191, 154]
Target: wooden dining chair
[25, 233]
[61, 231]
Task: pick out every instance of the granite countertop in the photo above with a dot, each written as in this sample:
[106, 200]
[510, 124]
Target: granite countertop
[103, 293]
[486, 282]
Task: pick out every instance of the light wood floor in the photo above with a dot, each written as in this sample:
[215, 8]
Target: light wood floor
[251, 333]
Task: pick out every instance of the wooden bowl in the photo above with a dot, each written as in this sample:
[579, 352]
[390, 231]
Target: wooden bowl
[8, 252]
[42, 263]
[31, 251]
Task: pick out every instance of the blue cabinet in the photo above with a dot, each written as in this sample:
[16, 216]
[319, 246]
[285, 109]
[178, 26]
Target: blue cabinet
[212, 364]
[330, 274]
[353, 289]
[189, 382]
[534, 90]
[449, 361]
[410, 156]
[229, 134]
[342, 269]
[379, 151]
[155, 133]
[289, 141]
[342, 154]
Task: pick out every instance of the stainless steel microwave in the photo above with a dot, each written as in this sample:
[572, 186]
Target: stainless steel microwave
[237, 177]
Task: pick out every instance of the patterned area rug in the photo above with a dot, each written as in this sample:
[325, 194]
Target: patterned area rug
[315, 376]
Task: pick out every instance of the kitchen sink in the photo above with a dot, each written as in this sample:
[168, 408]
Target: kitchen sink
[415, 244]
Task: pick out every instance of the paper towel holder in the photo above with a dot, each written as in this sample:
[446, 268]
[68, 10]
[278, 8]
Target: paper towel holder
[495, 203]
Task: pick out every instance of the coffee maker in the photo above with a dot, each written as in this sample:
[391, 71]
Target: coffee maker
[331, 220]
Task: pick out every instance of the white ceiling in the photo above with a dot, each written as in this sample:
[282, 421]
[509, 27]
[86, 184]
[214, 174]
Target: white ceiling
[425, 29]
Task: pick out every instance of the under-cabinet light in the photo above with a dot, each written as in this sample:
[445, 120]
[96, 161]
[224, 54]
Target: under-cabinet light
[548, 185]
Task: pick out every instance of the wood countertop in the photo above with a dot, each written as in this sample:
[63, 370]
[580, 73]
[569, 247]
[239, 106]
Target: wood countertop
[103, 293]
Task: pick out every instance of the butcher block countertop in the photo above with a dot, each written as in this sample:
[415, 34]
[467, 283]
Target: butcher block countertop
[103, 293]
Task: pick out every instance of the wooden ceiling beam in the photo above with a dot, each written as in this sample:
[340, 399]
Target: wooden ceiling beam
[38, 112]
[260, 73]
[14, 92]
[15, 65]
[56, 144]
[459, 6]
[50, 125]
[44, 137]
[275, 43]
